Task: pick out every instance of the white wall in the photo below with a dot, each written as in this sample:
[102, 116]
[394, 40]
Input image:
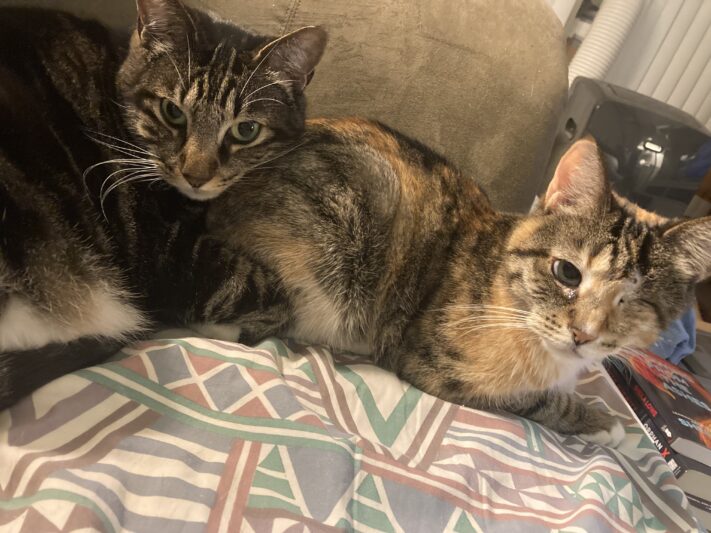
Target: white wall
[667, 55]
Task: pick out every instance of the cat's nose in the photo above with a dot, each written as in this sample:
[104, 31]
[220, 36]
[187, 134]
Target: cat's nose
[581, 337]
[197, 180]
[197, 171]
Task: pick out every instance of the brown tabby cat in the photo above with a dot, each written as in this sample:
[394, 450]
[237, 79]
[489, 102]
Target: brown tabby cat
[90, 256]
[382, 246]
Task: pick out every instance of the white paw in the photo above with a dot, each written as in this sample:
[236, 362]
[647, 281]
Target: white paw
[221, 332]
[612, 437]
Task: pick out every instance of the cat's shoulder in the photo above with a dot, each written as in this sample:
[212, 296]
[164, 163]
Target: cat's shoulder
[377, 135]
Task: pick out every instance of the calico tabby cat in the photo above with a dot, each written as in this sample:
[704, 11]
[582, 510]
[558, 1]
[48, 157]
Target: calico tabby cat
[89, 254]
[382, 246]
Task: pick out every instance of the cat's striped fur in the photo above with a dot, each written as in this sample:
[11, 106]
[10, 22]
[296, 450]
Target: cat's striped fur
[383, 246]
[94, 245]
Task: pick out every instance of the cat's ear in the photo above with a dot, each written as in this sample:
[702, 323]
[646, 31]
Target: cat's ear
[162, 23]
[579, 184]
[295, 54]
[689, 244]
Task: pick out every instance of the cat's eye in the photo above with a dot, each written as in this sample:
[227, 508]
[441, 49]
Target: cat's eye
[245, 132]
[172, 114]
[566, 273]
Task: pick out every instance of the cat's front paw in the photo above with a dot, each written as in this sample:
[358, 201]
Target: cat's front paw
[606, 437]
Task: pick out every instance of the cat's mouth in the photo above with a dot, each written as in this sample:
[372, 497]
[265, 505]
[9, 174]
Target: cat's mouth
[565, 351]
[201, 193]
[198, 194]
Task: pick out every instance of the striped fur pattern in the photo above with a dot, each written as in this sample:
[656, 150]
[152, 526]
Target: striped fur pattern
[384, 247]
[216, 78]
[94, 245]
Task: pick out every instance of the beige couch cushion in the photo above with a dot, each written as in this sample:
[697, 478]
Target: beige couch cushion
[483, 81]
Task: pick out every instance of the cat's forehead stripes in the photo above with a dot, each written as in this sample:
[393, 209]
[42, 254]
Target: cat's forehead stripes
[217, 82]
[631, 243]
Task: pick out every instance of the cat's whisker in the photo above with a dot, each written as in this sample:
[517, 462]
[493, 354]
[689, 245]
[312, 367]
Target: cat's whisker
[473, 320]
[494, 326]
[247, 104]
[119, 104]
[282, 154]
[131, 172]
[130, 162]
[187, 40]
[166, 50]
[124, 142]
[120, 171]
[488, 323]
[129, 152]
[626, 352]
[263, 168]
[278, 82]
[257, 68]
[118, 139]
[496, 314]
[491, 318]
[123, 181]
[486, 307]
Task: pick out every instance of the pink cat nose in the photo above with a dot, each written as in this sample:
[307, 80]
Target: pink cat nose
[197, 181]
[580, 337]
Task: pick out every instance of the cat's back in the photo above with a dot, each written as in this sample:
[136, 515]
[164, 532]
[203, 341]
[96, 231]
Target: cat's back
[63, 63]
[354, 218]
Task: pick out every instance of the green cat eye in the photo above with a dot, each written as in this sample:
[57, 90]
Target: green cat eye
[172, 114]
[245, 132]
[566, 273]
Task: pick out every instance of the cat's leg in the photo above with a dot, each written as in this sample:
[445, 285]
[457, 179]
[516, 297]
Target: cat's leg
[250, 327]
[560, 411]
[43, 339]
[21, 372]
[88, 311]
[568, 414]
[222, 332]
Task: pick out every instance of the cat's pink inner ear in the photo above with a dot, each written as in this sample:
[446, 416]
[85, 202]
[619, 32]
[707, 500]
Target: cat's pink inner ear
[689, 244]
[160, 21]
[579, 181]
[296, 54]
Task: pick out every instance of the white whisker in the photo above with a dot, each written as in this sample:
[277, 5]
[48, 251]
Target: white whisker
[130, 172]
[123, 141]
[278, 82]
[180, 76]
[247, 104]
[282, 154]
[130, 152]
[257, 68]
[187, 39]
[147, 178]
[131, 162]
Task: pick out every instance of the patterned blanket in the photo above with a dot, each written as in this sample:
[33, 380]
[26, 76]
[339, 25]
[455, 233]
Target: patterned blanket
[199, 435]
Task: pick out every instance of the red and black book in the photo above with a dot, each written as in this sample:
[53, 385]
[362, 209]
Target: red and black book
[624, 384]
[672, 407]
[675, 400]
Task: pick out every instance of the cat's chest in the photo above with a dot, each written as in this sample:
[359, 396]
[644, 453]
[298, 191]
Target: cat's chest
[318, 318]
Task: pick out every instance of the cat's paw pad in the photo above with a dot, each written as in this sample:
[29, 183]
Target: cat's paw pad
[606, 437]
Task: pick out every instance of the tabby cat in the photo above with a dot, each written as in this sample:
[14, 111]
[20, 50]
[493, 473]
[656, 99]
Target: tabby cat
[384, 247]
[90, 255]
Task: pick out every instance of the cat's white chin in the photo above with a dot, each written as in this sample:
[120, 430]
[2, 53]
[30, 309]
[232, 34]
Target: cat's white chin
[199, 195]
[565, 352]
